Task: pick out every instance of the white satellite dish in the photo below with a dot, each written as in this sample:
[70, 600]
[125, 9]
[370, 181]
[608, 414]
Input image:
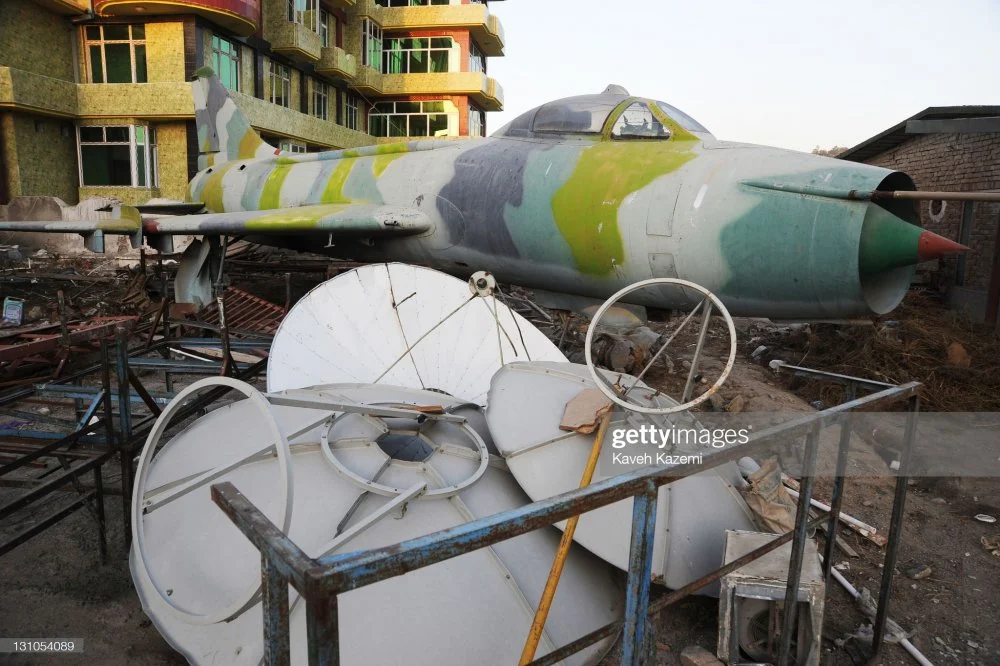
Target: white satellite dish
[353, 469]
[403, 325]
[526, 404]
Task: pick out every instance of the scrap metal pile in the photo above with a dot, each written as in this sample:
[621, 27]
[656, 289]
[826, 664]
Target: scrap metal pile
[401, 401]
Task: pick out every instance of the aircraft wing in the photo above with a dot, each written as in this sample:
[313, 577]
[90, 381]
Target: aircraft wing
[337, 220]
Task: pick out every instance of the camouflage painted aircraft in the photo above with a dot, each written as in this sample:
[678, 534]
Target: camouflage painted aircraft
[580, 196]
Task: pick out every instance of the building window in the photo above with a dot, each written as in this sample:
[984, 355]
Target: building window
[320, 100]
[226, 61]
[280, 78]
[351, 111]
[410, 3]
[477, 61]
[416, 55]
[411, 119]
[118, 155]
[116, 53]
[327, 22]
[477, 124]
[371, 44]
[305, 12]
[292, 147]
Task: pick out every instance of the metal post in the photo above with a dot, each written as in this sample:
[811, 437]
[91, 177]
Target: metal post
[689, 385]
[277, 648]
[102, 534]
[323, 630]
[895, 529]
[124, 426]
[789, 622]
[640, 566]
[837, 496]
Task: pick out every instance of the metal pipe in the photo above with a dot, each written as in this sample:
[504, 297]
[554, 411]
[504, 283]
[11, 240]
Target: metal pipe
[555, 573]
[636, 639]
[837, 496]
[936, 196]
[790, 621]
[895, 528]
[693, 372]
[124, 428]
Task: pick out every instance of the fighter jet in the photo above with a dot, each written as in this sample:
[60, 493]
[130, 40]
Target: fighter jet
[577, 197]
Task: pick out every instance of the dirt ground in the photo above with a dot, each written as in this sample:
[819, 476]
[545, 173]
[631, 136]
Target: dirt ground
[55, 586]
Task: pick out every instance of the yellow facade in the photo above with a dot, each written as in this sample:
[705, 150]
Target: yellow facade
[46, 92]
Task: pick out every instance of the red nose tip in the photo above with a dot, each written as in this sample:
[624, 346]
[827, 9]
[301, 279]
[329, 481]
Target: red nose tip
[931, 246]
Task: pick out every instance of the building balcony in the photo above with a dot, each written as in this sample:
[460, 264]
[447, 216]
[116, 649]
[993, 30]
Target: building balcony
[239, 16]
[30, 92]
[342, 4]
[369, 81]
[336, 62]
[65, 6]
[483, 90]
[294, 40]
[162, 101]
[483, 26]
[26, 91]
[290, 124]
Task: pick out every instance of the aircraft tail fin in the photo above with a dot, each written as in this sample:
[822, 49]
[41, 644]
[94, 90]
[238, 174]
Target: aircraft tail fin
[224, 133]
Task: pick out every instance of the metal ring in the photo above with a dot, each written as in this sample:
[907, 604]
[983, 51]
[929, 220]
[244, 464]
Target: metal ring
[142, 471]
[391, 491]
[600, 381]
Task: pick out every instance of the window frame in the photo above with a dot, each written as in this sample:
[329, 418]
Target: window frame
[279, 73]
[233, 57]
[351, 115]
[149, 148]
[372, 44]
[407, 118]
[475, 111]
[303, 12]
[324, 28]
[320, 93]
[477, 56]
[293, 147]
[407, 54]
[102, 43]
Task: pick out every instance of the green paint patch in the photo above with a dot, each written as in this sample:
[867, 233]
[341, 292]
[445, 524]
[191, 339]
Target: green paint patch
[334, 191]
[586, 207]
[391, 148]
[303, 218]
[211, 193]
[270, 196]
[382, 163]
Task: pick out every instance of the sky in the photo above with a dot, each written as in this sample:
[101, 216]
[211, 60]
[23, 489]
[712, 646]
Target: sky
[790, 73]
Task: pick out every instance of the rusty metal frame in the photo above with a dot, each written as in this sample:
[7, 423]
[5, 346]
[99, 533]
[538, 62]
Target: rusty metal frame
[104, 405]
[321, 580]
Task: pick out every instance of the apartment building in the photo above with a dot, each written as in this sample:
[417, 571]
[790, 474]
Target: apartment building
[94, 99]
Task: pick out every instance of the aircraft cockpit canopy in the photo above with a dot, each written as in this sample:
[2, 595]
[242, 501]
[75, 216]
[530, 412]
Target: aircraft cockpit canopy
[590, 114]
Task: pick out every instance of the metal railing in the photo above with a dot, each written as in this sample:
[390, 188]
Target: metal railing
[321, 580]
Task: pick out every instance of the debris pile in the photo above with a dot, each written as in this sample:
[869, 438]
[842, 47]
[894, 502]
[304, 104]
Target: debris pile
[957, 360]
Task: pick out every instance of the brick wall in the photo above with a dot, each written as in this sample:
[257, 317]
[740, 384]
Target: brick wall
[35, 40]
[955, 162]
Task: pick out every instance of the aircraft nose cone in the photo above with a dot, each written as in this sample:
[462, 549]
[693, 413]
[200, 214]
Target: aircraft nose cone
[889, 242]
[931, 246]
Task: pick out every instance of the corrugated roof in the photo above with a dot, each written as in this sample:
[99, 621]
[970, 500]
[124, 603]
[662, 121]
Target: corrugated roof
[896, 134]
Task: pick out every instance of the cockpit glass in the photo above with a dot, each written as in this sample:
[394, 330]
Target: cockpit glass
[638, 122]
[683, 119]
[586, 114]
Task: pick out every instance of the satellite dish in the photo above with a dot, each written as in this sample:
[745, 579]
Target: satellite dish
[526, 404]
[403, 325]
[342, 468]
